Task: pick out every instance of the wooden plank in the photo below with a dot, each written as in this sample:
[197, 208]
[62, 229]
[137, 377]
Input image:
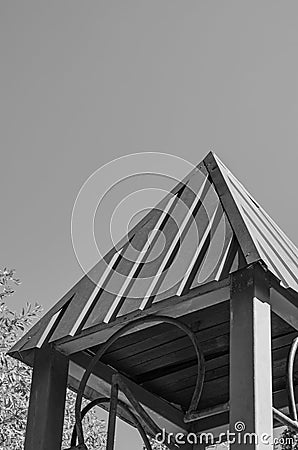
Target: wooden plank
[84, 290]
[250, 358]
[198, 298]
[232, 247]
[254, 213]
[279, 326]
[166, 348]
[214, 392]
[173, 360]
[280, 397]
[215, 386]
[235, 218]
[218, 367]
[216, 424]
[174, 231]
[47, 400]
[101, 381]
[67, 324]
[183, 389]
[167, 358]
[222, 418]
[284, 304]
[168, 375]
[30, 340]
[201, 253]
[279, 383]
[91, 394]
[273, 256]
[96, 293]
[187, 246]
[130, 265]
[143, 340]
[112, 417]
[156, 342]
[167, 380]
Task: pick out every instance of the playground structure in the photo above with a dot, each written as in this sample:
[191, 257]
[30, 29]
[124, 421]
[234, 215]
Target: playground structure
[199, 335]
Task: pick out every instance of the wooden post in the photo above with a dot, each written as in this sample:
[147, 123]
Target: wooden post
[250, 361]
[112, 415]
[47, 400]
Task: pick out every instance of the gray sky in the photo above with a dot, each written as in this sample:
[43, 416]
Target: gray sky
[82, 83]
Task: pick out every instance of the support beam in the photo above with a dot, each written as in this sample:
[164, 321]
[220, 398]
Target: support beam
[164, 413]
[285, 420]
[198, 298]
[231, 208]
[47, 400]
[250, 360]
[112, 416]
[283, 303]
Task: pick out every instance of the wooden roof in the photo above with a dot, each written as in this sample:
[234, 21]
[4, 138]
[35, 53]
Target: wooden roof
[208, 227]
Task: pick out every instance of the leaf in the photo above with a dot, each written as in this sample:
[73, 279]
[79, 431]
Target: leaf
[15, 380]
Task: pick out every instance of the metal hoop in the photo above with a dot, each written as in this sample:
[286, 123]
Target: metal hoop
[158, 318]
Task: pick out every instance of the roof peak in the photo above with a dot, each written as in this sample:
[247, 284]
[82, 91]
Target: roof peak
[212, 227]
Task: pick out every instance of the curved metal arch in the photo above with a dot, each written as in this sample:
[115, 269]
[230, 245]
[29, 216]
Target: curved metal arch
[133, 417]
[158, 318]
[290, 379]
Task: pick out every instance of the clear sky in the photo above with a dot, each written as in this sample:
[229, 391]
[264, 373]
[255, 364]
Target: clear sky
[84, 82]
